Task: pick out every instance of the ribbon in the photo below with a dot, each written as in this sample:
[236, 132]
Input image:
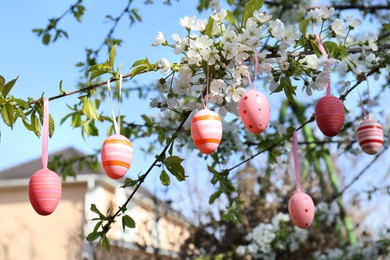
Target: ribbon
[297, 165]
[256, 62]
[117, 123]
[366, 114]
[327, 63]
[45, 133]
[206, 98]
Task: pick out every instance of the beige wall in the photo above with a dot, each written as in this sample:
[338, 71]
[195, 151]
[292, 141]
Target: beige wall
[27, 235]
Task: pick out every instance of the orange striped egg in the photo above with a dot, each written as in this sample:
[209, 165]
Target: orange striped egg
[206, 130]
[370, 136]
[329, 114]
[44, 190]
[116, 155]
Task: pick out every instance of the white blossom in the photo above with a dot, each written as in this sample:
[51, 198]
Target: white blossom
[188, 22]
[219, 17]
[159, 39]
[262, 17]
[353, 22]
[320, 14]
[276, 28]
[166, 66]
[180, 43]
[338, 28]
[241, 70]
[234, 94]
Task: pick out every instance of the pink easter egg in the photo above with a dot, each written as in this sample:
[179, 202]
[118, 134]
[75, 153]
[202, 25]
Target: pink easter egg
[44, 190]
[206, 130]
[329, 114]
[301, 209]
[116, 155]
[254, 111]
[370, 136]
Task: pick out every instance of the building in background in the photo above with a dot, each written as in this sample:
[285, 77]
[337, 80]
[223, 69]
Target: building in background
[159, 231]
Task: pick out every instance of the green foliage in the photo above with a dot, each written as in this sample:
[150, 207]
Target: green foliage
[303, 25]
[173, 164]
[142, 66]
[127, 221]
[164, 178]
[251, 6]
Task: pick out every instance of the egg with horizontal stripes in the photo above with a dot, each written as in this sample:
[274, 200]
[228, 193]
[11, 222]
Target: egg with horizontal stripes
[254, 111]
[116, 155]
[44, 190]
[370, 136]
[329, 115]
[206, 130]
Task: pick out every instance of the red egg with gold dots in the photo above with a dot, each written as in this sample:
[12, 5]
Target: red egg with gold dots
[329, 115]
[44, 191]
[206, 130]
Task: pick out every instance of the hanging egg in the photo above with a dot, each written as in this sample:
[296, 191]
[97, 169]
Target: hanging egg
[116, 155]
[206, 130]
[44, 190]
[370, 136]
[301, 209]
[329, 113]
[254, 111]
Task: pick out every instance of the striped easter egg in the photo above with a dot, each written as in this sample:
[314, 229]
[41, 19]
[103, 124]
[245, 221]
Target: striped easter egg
[44, 190]
[254, 111]
[116, 155]
[329, 114]
[301, 209]
[370, 136]
[206, 130]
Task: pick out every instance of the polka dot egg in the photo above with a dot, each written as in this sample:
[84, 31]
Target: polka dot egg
[370, 136]
[206, 131]
[301, 209]
[116, 155]
[254, 111]
[44, 190]
[329, 113]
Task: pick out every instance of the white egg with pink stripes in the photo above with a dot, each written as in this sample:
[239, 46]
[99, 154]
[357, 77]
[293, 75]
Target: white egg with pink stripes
[370, 136]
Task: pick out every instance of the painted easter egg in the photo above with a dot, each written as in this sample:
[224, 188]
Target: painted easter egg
[116, 155]
[206, 130]
[45, 191]
[301, 209]
[370, 136]
[329, 114]
[254, 111]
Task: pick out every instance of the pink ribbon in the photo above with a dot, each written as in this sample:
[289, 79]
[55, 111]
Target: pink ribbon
[327, 63]
[255, 68]
[206, 98]
[45, 133]
[366, 114]
[297, 165]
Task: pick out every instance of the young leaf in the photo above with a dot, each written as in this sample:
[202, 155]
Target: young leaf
[111, 58]
[214, 196]
[209, 27]
[106, 243]
[303, 25]
[127, 221]
[89, 109]
[230, 17]
[46, 38]
[164, 177]
[7, 87]
[2, 83]
[95, 210]
[93, 236]
[5, 116]
[51, 126]
[251, 6]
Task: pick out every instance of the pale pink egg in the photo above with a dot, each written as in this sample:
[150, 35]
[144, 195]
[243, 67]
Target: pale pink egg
[329, 114]
[254, 111]
[44, 190]
[206, 130]
[301, 209]
[116, 155]
[370, 136]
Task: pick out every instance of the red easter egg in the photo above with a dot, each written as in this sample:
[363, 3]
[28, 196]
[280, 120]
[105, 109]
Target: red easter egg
[329, 113]
[206, 130]
[45, 191]
[116, 155]
[370, 136]
[301, 209]
[254, 111]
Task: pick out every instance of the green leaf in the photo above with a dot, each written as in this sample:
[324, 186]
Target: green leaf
[386, 26]
[129, 183]
[23, 104]
[2, 82]
[5, 116]
[303, 25]
[89, 109]
[315, 47]
[36, 126]
[209, 27]
[214, 196]
[93, 236]
[173, 160]
[106, 243]
[173, 164]
[331, 48]
[212, 170]
[140, 62]
[127, 221]
[251, 6]
[164, 178]
[230, 17]
[51, 126]
[46, 38]
[111, 58]
[7, 87]
[95, 210]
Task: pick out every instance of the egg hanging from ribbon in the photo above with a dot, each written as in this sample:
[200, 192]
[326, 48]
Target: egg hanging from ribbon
[116, 155]
[254, 111]
[301, 209]
[206, 130]
[44, 191]
[329, 114]
[370, 136]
